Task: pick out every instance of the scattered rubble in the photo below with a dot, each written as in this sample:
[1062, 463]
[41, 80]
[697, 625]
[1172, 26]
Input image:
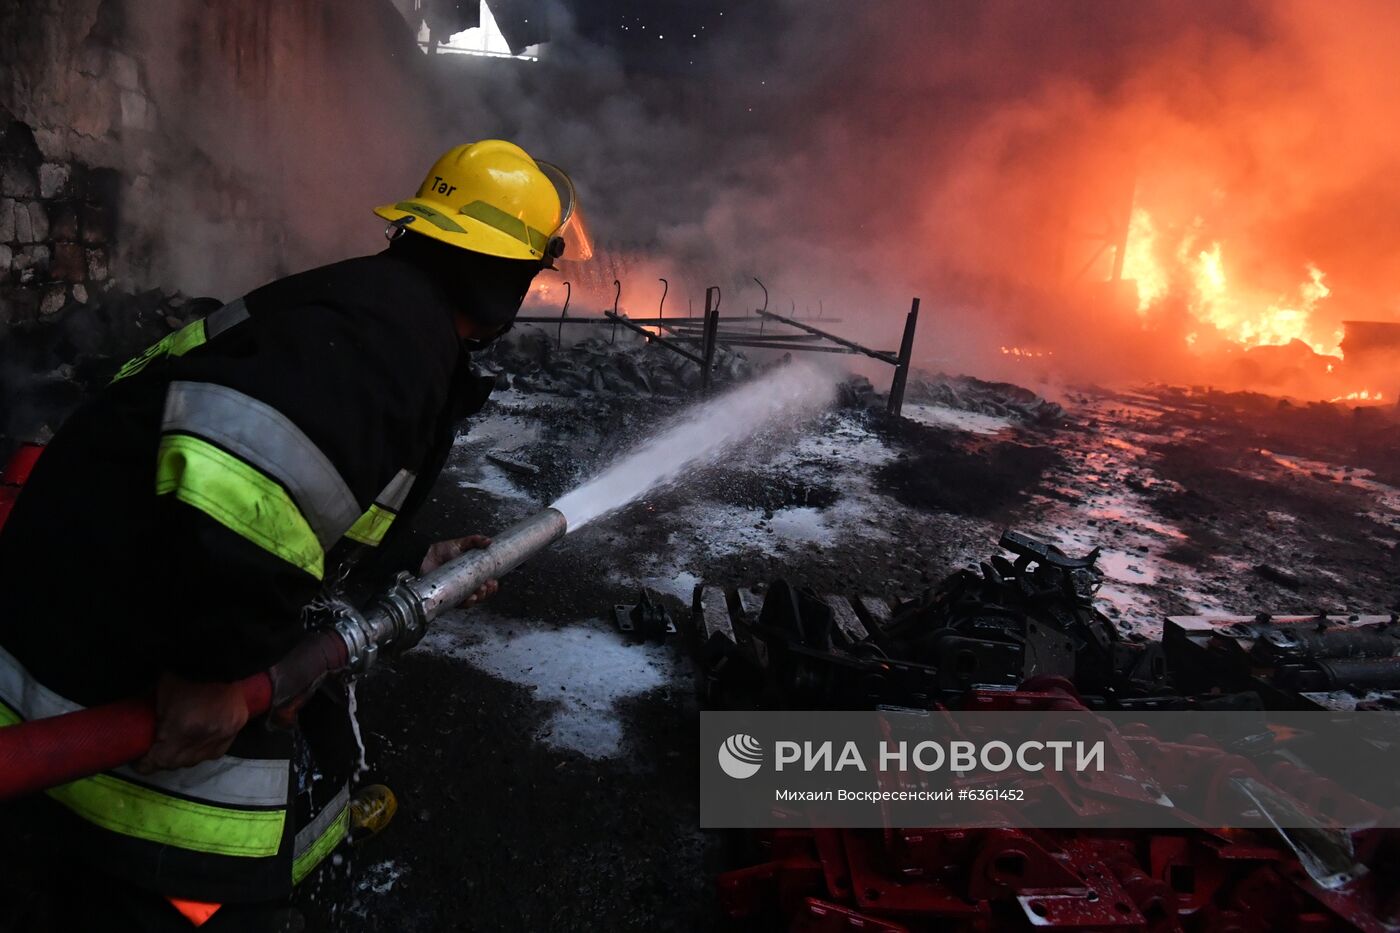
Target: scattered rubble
[530, 361]
[1001, 399]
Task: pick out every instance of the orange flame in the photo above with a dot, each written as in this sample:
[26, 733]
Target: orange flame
[1022, 353]
[1237, 313]
[1140, 262]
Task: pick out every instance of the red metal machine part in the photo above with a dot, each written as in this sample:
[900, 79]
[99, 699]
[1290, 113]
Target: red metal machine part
[1153, 881]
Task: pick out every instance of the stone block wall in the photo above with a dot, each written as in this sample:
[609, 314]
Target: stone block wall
[58, 223]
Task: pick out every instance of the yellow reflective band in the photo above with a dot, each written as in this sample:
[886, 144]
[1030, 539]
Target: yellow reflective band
[493, 216]
[132, 810]
[178, 343]
[371, 527]
[328, 840]
[187, 338]
[436, 218]
[239, 497]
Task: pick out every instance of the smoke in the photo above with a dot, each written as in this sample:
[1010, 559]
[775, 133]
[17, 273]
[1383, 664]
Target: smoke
[275, 128]
[980, 155]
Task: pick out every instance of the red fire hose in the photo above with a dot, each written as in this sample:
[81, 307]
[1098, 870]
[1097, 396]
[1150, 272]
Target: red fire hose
[43, 753]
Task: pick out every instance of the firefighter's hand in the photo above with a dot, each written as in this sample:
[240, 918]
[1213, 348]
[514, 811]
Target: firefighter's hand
[194, 722]
[451, 549]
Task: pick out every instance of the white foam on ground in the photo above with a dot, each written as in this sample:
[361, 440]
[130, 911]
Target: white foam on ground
[839, 440]
[492, 479]
[380, 878]
[500, 432]
[678, 583]
[802, 525]
[843, 453]
[585, 669]
[837, 451]
[941, 416]
[1129, 568]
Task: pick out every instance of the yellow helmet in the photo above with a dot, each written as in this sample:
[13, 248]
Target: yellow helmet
[490, 197]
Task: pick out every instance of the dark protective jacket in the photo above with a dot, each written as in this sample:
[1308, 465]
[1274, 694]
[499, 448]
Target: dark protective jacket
[183, 519]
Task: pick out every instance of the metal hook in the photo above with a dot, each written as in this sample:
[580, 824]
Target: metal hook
[765, 293]
[616, 298]
[661, 311]
[568, 296]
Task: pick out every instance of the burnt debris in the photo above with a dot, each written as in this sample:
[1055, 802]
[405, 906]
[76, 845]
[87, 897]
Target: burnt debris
[1027, 613]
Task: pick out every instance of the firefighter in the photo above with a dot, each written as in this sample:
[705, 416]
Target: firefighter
[179, 524]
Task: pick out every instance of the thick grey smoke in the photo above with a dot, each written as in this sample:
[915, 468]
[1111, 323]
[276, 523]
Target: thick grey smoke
[278, 126]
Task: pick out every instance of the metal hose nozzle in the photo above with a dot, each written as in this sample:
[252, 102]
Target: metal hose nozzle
[399, 618]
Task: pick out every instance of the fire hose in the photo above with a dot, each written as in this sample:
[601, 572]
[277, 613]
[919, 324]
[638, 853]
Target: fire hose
[43, 753]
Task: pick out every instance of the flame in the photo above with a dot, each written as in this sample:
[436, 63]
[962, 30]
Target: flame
[1026, 354]
[1238, 313]
[652, 329]
[1140, 263]
[1277, 323]
[1365, 395]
